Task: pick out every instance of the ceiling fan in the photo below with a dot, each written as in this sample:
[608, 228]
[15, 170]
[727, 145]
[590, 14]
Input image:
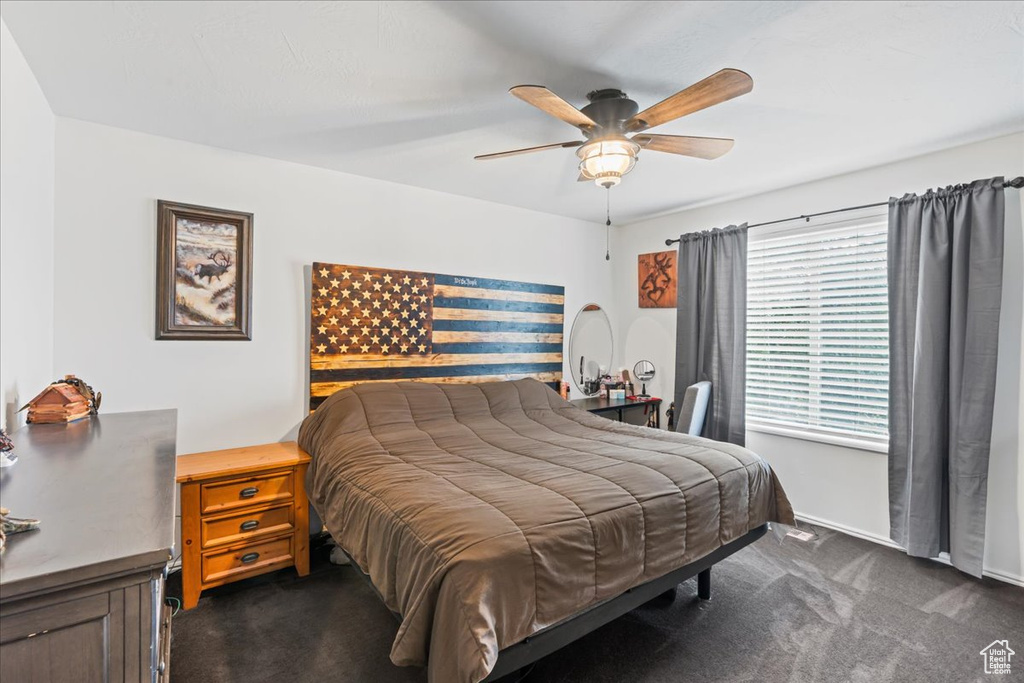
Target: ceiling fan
[607, 154]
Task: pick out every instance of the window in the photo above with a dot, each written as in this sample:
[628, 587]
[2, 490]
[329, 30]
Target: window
[818, 330]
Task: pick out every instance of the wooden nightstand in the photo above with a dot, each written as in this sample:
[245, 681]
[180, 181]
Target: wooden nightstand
[244, 512]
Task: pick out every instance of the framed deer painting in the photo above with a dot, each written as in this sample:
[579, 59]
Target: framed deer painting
[204, 273]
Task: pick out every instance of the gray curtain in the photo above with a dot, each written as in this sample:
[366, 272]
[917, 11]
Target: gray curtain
[945, 283]
[711, 326]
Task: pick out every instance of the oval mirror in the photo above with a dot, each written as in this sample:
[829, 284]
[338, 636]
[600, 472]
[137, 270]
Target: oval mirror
[590, 348]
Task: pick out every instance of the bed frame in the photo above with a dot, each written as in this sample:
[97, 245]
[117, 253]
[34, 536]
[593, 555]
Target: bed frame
[542, 643]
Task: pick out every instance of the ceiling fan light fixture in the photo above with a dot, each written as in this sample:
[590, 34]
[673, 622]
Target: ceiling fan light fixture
[606, 161]
[607, 154]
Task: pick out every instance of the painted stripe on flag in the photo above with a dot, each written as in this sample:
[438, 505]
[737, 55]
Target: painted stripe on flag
[496, 326]
[498, 294]
[441, 337]
[370, 360]
[502, 316]
[496, 305]
[484, 283]
[495, 347]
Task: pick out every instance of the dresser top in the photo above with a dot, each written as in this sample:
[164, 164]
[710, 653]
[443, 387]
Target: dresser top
[103, 490]
[246, 460]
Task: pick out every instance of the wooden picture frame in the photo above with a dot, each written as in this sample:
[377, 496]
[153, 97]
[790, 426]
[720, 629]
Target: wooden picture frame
[203, 273]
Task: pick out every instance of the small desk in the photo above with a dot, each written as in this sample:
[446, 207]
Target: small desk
[621, 410]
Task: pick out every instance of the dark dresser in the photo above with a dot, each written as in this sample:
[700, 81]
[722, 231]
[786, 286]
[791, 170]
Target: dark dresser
[81, 598]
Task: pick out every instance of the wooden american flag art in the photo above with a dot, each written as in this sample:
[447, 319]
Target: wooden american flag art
[379, 324]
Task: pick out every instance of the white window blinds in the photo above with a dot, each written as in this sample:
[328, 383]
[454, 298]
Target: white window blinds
[818, 330]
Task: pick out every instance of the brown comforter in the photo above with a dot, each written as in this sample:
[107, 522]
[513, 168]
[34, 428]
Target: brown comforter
[484, 513]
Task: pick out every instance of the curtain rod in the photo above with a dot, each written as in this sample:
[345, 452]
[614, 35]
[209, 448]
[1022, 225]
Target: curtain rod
[1017, 182]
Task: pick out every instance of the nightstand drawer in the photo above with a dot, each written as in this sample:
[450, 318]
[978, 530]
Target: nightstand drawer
[255, 558]
[270, 488]
[246, 524]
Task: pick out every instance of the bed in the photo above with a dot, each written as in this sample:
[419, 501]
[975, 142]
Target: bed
[500, 522]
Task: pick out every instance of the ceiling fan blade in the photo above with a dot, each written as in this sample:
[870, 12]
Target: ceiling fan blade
[552, 104]
[527, 150]
[715, 89]
[702, 148]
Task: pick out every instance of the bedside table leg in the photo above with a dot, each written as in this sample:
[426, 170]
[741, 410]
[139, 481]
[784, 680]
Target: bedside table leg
[302, 560]
[191, 541]
[301, 522]
[190, 594]
[302, 552]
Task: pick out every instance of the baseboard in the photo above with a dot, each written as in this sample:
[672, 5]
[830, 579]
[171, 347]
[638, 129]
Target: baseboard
[882, 540]
[1004, 576]
[991, 573]
[848, 530]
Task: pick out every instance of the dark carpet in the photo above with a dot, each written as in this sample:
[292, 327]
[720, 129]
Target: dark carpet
[833, 609]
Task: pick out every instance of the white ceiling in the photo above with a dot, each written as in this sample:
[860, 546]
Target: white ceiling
[410, 92]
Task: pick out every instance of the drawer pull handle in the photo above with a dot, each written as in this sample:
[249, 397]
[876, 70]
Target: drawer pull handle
[249, 558]
[249, 492]
[250, 525]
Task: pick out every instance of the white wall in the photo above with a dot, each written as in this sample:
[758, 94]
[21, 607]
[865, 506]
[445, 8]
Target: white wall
[844, 486]
[26, 234]
[238, 393]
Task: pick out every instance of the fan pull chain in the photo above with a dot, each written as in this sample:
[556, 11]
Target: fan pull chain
[608, 224]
